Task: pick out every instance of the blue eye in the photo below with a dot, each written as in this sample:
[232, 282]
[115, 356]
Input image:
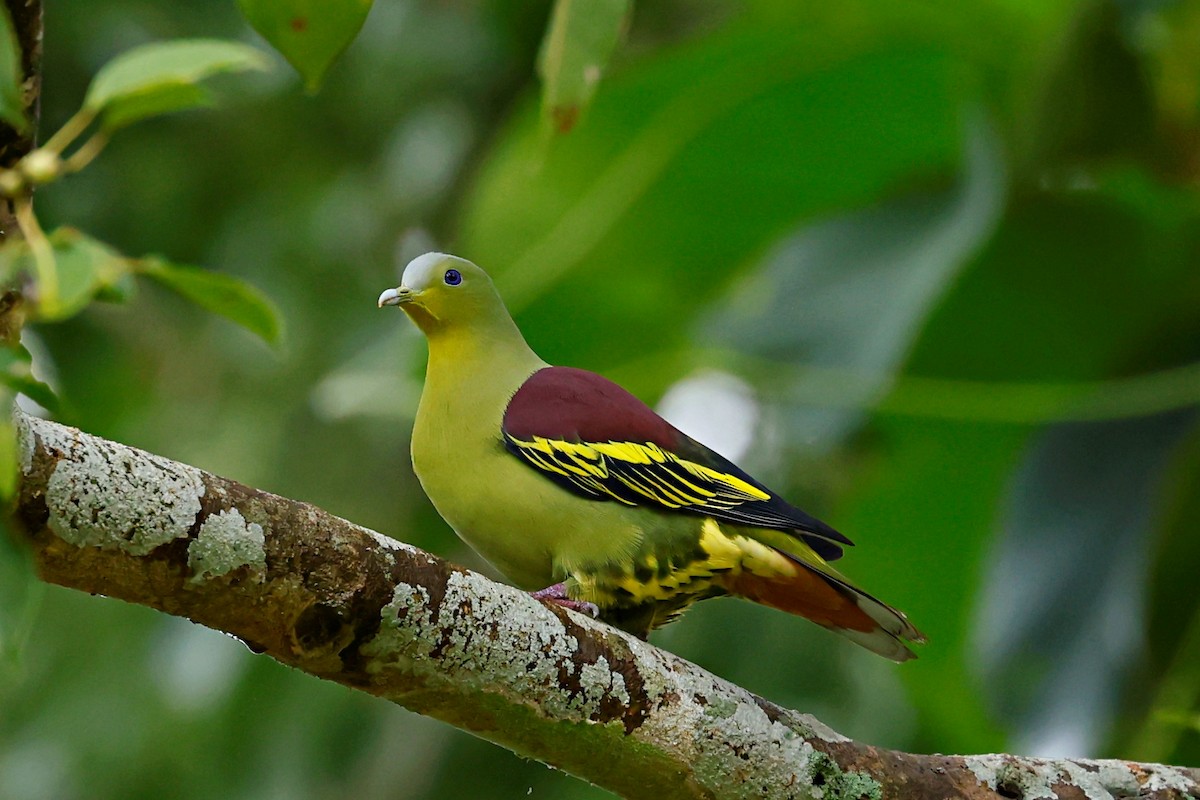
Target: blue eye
[452, 277]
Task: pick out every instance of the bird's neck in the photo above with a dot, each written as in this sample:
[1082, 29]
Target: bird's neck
[491, 353]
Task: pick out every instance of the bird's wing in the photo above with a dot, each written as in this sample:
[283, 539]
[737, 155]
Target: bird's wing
[594, 438]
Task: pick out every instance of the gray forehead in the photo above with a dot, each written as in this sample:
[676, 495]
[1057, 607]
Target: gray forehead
[429, 268]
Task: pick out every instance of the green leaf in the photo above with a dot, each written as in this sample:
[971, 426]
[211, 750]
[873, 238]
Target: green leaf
[220, 294]
[161, 77]
[84, 267]
[120, 290]
[578, 44]
[309, 33]
[16, 374]
[91, 270]
[12, 110]
[165, 99]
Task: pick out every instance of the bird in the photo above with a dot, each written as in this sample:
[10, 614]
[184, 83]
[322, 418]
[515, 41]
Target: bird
[570, 485]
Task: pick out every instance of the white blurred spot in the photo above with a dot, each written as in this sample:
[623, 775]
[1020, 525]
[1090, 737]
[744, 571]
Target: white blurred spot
[425, 152]
[715, 408]
[35, 770]
[346, 216]
[410, 244]
[196, 667]
[375, 383]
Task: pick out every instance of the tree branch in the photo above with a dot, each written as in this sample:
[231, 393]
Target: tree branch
[347, 604]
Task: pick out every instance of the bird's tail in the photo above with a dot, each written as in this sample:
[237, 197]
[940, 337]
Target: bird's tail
[818, 592]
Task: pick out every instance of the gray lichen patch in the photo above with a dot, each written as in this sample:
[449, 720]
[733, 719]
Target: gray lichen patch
[1164, 778]
[386, 541]
[406, 625]
[1032, 778]
[723, 731]
[477, 636]
[721, 707]
[102, 494]
[599, 676]
[26, 442]
[225, 542]
[1029, 780]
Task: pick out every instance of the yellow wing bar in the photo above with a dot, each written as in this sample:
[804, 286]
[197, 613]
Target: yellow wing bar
[633, 473]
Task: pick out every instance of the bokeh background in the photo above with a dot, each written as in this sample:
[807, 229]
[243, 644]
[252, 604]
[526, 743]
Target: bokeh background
[931, 268]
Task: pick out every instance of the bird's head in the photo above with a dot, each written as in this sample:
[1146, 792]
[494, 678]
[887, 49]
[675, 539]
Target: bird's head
[440, 291]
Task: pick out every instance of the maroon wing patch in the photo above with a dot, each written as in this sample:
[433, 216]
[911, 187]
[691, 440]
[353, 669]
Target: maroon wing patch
[575, 405]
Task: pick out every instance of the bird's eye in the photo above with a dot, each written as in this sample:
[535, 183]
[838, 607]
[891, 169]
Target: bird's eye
[452, 277]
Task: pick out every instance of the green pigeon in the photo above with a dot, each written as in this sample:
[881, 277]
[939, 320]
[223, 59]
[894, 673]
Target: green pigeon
[564, 480]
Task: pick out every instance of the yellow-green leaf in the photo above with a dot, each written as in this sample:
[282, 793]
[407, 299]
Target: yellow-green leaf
[164, 99]
[161, 77]
[83, 266]
[221, 294]
[580, 40]
[309, 33]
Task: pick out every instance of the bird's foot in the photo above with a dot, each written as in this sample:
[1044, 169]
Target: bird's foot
[557, 594]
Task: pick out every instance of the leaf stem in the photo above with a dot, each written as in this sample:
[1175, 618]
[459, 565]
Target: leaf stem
[43, 252]
[86, 152]
[70, 131]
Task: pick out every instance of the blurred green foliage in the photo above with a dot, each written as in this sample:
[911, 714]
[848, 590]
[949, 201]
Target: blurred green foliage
[12, 111]
[944, 253]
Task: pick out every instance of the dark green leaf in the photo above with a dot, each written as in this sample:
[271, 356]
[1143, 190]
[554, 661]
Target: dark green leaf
[1097, 102]
[220, 294]
[578, 44]
[161, 77]
[12, 109]
[309, 33]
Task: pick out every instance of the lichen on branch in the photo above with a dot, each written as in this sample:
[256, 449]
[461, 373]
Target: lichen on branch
[347, 604]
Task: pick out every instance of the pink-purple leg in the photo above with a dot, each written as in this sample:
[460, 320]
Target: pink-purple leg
[557, 594]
